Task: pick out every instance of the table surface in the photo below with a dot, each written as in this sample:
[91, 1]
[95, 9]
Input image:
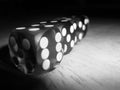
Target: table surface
[93, 64]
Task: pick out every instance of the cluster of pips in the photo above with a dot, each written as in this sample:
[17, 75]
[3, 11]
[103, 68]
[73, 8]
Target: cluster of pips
[43, 44]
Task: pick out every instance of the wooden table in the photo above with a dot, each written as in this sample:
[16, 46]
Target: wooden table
[93, 64]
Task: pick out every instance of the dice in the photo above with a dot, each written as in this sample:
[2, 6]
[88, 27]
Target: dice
[80, 25]
[38, 48]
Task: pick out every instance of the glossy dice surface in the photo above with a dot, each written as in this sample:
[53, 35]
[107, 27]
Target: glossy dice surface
[39, 47]
[33, 47]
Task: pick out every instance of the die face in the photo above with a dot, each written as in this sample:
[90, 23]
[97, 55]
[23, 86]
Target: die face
[49, 53]
[81, 29]
[85, 20]
[24, 53]
[57, 37]
[68, 34]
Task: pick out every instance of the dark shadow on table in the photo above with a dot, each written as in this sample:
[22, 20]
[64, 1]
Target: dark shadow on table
[11, 78]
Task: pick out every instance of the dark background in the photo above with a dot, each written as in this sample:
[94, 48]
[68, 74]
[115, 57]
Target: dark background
[18, 9]
[16, 12]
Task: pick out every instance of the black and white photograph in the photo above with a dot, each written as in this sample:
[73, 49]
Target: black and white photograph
[59, 45]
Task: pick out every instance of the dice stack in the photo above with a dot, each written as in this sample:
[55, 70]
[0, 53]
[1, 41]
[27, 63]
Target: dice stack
[39, 47]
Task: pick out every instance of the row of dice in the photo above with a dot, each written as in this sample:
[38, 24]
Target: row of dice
[39, 47]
